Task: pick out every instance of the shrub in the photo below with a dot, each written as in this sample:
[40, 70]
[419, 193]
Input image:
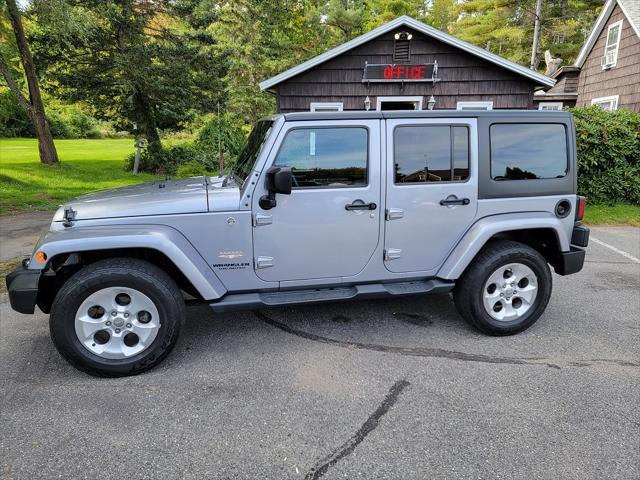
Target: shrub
[186, 158]
[232, 139]
[192, 168]
[69, 121]
[14, 121]
[169, 159]
[608, 146]
[65, 121]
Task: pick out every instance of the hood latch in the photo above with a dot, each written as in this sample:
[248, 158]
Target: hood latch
[68, 217]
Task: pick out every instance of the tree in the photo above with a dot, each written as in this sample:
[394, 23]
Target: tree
[262, 39]
[442, 14]
[144, 64]
[33, 105]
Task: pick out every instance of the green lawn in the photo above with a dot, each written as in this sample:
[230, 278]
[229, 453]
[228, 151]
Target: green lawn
[612, 214]
[86, 165]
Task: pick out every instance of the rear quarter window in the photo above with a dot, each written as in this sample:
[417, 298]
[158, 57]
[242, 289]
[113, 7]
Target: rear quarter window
[527, 151]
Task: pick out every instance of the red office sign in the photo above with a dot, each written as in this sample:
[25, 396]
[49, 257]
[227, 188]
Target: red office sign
[400, 73]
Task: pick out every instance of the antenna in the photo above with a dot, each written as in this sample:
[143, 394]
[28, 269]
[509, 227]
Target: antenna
[220, 155]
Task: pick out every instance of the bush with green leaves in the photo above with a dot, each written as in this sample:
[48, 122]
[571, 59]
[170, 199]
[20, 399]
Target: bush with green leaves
[168, 160]
[199, 157]
[220, 132]
[65, 121]
[14, 121]
[608, 155]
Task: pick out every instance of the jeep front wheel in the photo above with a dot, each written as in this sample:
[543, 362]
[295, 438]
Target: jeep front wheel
[117, 317]
[506, 288]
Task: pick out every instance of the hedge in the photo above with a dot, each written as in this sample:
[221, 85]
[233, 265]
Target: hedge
[608, 155]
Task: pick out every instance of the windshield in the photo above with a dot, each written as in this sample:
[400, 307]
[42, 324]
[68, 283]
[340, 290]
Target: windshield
[247, 158]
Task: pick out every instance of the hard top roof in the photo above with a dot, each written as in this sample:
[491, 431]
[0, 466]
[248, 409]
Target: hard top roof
[364, 115]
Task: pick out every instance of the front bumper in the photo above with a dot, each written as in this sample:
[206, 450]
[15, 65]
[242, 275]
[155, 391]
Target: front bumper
[22, 285]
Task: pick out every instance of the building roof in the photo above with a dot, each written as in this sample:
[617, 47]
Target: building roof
[407, 21]
[631, 10]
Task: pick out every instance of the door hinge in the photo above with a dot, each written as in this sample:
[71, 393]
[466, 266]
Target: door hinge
[264, 262]
[262, 219]
[394, 213]
[392, 253]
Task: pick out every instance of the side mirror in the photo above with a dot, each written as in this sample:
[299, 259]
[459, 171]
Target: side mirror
[278, 180]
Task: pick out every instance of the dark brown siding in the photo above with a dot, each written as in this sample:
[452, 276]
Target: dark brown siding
[464, 77]
[623, 79]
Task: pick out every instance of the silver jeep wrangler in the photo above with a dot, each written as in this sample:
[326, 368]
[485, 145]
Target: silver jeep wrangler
[319, 207]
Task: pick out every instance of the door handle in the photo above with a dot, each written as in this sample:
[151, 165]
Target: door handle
[360, 205]
[454, 201]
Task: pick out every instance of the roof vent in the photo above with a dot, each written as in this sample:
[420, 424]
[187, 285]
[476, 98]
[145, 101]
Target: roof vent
[401, 47]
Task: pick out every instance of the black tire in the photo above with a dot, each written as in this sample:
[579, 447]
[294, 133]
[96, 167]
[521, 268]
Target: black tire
[117, 272]
[468, 293]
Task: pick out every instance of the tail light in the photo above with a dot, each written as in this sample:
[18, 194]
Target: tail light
[582, 203]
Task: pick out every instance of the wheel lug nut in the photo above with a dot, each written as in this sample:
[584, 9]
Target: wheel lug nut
[117, 330]
[114, 313]
[502, 294]
[107, 323]
[126, 314]
[128, 325]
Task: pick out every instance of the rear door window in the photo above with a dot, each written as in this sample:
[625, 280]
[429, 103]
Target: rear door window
[525, 151]
[431, 153]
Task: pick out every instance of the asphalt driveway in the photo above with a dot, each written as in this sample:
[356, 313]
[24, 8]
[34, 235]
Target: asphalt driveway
[396, 389]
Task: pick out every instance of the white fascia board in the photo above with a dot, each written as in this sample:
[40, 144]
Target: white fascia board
[595, 32]
[405, 20]
[634, 24]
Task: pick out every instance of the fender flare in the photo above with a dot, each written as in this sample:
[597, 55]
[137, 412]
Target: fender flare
[480, 232]
[162, 238]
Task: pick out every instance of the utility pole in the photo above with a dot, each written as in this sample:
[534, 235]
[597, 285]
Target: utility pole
[536, 36]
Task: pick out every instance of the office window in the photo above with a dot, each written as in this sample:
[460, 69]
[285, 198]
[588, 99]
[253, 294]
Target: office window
[606, 103]
[474, 106]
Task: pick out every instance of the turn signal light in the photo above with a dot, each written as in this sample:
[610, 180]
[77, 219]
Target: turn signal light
[40, 256]
[582, 203]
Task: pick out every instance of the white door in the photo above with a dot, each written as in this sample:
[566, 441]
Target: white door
[432, 190]
[329, 225]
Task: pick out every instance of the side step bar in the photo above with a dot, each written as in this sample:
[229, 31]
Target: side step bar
[247, 301]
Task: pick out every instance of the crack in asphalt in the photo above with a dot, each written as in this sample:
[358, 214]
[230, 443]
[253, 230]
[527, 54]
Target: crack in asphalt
[367, 427]
[434, 352]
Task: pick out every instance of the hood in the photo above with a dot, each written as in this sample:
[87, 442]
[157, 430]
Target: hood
[163, 197]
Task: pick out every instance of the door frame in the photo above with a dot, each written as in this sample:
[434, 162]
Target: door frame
[374, 127]
[390, 125]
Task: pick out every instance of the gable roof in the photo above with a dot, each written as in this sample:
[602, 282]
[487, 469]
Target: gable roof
[407, 21]
[631, 10]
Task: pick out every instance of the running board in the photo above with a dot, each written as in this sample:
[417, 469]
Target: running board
[247, 301]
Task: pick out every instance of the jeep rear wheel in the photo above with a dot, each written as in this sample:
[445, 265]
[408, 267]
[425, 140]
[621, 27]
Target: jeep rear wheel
[117, 317]
[505, 289]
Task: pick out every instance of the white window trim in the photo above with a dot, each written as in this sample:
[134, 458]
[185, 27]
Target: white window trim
[381, 100]
[559, 105]
[606, 45]
[325, 106]
[612, 99]
[475, 105]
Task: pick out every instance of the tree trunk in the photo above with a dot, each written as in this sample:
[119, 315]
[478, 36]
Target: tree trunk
[147, 121]
[46, 147]
[35, 109]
